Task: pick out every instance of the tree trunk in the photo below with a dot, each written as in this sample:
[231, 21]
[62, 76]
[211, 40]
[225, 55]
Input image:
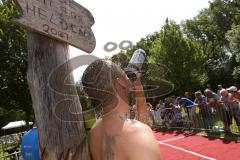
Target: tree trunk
[58, 115]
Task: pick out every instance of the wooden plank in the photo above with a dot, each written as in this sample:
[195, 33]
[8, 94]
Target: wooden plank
[64, 20]
[59, 120]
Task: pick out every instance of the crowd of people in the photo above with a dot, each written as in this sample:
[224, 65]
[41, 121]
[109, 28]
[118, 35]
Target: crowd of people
[202, 109]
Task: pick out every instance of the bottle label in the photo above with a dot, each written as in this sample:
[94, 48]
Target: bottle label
[135, 64]
[137, 60]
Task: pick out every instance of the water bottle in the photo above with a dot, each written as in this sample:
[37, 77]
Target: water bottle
[135, 64]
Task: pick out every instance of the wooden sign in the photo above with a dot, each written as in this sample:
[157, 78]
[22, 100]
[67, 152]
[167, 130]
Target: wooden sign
[64, 20]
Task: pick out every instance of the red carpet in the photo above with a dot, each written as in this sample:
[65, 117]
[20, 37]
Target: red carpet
[175, 146]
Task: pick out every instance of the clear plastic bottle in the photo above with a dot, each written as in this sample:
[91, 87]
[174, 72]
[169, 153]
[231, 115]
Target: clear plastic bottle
[135, 64]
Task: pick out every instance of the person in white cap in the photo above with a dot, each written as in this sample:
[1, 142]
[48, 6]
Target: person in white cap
[232, 89]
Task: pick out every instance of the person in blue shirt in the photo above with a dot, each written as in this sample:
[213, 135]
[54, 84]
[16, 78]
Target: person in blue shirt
[189, 108]
[186, 102]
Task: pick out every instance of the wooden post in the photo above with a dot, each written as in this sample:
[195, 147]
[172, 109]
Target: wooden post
[54, 24]
[60, 123]
[56, 106]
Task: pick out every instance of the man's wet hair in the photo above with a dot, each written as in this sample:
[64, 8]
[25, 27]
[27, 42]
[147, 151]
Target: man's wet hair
[99, 81]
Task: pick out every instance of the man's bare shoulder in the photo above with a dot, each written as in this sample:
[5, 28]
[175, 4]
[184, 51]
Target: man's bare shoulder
[142, 142]
[136, 131]
[134, 126]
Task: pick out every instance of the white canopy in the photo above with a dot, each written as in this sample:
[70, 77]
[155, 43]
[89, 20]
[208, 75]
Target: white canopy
[15, 124]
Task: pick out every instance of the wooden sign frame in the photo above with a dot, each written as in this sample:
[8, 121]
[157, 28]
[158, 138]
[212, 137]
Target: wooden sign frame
[64, 20]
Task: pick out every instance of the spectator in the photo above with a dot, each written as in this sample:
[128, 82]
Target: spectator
[224, 108]
[173, 100]
[212, 100]
[234, 92]
[162, 108]
[154, 103]
[167, 115]
[235, 100]
[177, 110]
[161, 104]
[205, 112]
[155, 114]
[190, 108]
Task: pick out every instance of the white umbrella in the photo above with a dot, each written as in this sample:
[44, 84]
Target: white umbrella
[15, 124]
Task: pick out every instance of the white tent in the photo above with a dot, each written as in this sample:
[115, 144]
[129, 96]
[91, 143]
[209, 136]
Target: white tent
[15, 124]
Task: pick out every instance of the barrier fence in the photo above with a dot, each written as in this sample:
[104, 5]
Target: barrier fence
[12, 156]
[221, 119]
[10, 147]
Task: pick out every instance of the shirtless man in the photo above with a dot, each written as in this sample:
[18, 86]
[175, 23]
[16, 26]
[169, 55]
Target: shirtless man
[114, 136]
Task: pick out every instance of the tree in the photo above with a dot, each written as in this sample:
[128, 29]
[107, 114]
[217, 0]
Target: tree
[14, 93]
[173, 59]
[200, 51]
[180, 55]
[84, 99]
[234, 38]
[209, 28]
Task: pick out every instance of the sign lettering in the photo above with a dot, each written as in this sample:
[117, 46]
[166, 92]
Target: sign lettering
[64, 20]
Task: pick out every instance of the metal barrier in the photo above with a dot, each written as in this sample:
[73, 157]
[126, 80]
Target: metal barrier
[221, 119]
[13, 156]
[10, 147]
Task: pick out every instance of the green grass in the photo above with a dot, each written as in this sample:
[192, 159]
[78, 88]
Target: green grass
[89, 120]
[2, 154]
